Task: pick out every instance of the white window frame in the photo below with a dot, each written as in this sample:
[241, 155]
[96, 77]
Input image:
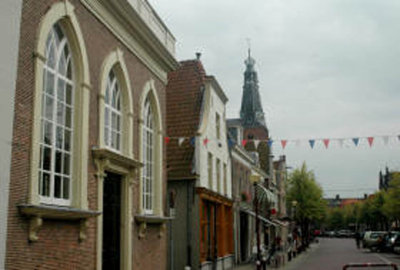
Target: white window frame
[113, 112]
[148, 159]
[58, 98]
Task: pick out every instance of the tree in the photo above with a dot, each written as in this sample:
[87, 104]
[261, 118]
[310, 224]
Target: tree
[391, 205]
[310, 207]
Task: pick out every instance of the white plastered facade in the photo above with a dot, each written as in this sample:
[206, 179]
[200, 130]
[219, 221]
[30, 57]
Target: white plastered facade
[213, 104]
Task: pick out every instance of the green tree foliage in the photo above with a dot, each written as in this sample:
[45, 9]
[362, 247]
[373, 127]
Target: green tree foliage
[391, 205]
[305, 191]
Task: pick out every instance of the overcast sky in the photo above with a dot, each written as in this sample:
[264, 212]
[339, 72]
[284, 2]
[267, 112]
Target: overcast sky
[326, 69]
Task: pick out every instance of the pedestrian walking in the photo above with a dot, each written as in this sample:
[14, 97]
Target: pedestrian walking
[357, 236]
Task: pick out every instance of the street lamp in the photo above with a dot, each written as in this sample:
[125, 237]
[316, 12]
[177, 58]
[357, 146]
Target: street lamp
[255, 179]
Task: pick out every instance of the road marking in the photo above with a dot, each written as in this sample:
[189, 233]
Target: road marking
[383, 258]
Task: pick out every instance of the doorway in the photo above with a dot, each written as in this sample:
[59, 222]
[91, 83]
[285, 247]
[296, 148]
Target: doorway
[112, 197]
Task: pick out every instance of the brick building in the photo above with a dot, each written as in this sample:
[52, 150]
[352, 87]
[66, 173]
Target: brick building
[199, 179]
[87, 186]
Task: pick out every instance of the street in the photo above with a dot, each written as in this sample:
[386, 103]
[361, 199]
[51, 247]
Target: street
[334, 253]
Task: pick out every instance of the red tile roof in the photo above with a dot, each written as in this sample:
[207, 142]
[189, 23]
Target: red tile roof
[184, 100]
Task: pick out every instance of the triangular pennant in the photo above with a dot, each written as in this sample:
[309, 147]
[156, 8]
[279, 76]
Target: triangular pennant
[355, 141]
[283, 143]
[205, 141]
[192, 141]
[167, 140]
[370, 141]
[256, 143]
[181, 140]
[298, 143]
[386, 140]
[311, 142]
[326, 143]
[398, 137]
[270, 142]
[244, 142]
[341, 141]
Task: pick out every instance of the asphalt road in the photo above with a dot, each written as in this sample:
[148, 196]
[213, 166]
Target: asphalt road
[334, 253]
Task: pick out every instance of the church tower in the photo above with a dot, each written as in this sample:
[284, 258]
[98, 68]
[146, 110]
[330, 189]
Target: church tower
[251, 112]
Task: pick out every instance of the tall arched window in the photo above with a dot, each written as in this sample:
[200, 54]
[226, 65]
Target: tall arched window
[56, 120]
[148, 158]
[112, 113]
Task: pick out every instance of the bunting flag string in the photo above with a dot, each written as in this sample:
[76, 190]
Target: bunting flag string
[369, 141]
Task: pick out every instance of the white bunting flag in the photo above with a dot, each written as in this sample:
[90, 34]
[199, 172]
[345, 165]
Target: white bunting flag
[386, 140]
[256, 143]
[181, 140]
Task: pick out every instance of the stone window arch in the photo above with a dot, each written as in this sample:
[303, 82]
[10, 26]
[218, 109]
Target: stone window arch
[60, 117]
[151, 152]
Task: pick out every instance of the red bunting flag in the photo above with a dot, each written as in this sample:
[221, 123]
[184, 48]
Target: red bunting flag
[370, 141]
[167, 140]
[326, 142]
[284, 142]
[244, 142]
[205, 141]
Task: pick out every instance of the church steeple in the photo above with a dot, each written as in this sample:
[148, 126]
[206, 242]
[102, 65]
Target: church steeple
[251, 112]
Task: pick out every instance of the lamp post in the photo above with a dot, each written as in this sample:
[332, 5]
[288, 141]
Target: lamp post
[255, 179]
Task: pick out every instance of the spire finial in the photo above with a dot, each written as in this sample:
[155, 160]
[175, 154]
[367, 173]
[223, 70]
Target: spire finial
[248, 46]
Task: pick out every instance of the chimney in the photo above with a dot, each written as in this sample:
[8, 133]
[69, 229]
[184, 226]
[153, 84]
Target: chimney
[198, 55]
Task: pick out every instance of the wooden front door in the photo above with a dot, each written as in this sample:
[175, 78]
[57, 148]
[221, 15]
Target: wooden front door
[111, 254]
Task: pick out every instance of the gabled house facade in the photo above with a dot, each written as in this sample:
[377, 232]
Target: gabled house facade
[87, 185]
[199, 179]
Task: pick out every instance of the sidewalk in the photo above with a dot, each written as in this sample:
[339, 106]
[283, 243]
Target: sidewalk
[288, 265]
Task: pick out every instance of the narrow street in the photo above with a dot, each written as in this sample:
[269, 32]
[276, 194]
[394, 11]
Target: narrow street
[334, 253]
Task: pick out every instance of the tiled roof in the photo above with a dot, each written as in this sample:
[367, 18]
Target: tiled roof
[184, 100]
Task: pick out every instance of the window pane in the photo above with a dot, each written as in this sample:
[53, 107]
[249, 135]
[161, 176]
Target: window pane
[67, 140]
[66, 188]
[57, 186]
[60, 89]
[68, 117]
[68, 94]
[51, 56]
[60, 113]
[59, 137]
[46, 158]
[49, 83]
[114, 120]
[49, 108]
[69, 70]
[106, 136]
[107, 117]
[62, 64]
[66, 164]
[58, 162]
[45, 184]
[48, 132]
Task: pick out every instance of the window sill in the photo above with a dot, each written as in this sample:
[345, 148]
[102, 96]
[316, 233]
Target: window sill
[116, 157]
[37, 213]
[143, 220]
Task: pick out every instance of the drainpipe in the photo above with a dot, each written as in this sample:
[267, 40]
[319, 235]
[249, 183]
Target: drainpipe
[189, 198]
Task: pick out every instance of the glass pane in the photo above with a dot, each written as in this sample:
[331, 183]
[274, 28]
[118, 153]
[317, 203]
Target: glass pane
[48, 132]
[51, 56]
[46, 158]
[60, 89]
[107, 97]
[67, 140]
[59, 137]
[118, 126]
[49, 108]
[114, 120]
[66, 164]
[69, 70]
[60, 113]
[68, 117]
[68, 94]
[62, 64]
[107, 117]
[57, 186]
[118, 140]
[49, 82]
[45, 184]
[106, 136]
[66, 188]
[58, 162]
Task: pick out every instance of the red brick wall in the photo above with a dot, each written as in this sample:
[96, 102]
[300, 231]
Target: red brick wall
[58, 246]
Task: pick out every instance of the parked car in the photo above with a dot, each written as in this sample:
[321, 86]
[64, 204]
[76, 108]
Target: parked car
[396, 245]
[390, 239]
[345, 234]
[371, 238]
